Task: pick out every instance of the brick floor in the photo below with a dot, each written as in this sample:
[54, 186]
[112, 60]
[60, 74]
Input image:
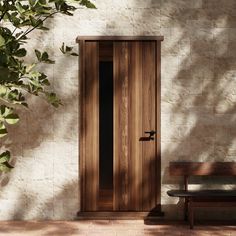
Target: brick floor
[111, 228]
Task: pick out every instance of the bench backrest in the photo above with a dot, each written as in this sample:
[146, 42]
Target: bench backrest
[202, 168]
[187, 169]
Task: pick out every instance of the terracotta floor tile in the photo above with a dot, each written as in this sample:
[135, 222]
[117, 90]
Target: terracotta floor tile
[110, 228]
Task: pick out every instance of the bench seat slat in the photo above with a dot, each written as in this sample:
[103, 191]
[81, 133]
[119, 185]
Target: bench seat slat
[202, 193]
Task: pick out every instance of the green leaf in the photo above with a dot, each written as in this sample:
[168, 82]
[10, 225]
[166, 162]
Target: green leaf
[42, 76]
[15, 20]
[3, 130]
[33, 2]
[5, 72]
[53, 99]
[19, 7]
[3, 59]
[35, 74]
[29, 67]
[3, 91]
[21, 52]
[2, 41]
[42, 2]
[87, 4]
[46, 82]
[12, 119]
[5, 167]
[7, 116]
[5, 111]
[5, 157]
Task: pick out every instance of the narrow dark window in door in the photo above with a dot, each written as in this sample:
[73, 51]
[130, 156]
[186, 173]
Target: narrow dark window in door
[106, 125]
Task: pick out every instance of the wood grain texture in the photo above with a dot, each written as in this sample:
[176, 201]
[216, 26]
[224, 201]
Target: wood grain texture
[135, 126]
[81, 122]
[135, 112]
[105, 200]
[158, 125]
[206, 197]
[91, 127]
[120, 38]
[148, 124]
[120, 126]
[105, 51]
[202, 168]
[137, 169]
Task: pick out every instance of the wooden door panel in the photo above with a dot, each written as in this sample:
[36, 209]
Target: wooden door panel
[91, 127]
[148, 124]
[120, 125]
[136, 109]
[135, 126]
[134, 113]
[127, 126]
[158, 126]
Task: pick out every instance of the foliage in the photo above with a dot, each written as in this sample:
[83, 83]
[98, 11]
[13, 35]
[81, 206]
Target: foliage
[4, 162]
[18, 18]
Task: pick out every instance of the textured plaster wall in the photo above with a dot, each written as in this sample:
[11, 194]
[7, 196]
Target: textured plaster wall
[198, 101]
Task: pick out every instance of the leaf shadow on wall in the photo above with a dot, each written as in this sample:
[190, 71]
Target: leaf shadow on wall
[198, 102]
[41, 140]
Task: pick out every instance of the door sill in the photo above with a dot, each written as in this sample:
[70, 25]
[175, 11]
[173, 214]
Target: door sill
[121, 215]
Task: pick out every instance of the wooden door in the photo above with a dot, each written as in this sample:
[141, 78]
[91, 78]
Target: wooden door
[136, 111]
[89, 126]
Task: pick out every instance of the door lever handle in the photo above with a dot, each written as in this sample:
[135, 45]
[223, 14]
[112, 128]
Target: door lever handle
[151, 134]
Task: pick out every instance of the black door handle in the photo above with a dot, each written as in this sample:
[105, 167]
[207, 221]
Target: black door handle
[151, 133]
[150, 137]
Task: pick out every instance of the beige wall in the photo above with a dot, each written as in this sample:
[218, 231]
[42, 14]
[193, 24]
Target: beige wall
[198, 101]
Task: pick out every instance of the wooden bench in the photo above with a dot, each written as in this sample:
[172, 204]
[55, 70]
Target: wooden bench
[202, 198]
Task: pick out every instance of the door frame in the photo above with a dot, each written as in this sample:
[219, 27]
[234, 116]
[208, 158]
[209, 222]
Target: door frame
[98, 214]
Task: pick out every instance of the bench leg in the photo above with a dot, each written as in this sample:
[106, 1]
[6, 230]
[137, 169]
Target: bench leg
[186, 209]
[191, 214]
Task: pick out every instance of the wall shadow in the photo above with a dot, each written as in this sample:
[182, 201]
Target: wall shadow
[198, 92]
[198, 103]
[36, 142]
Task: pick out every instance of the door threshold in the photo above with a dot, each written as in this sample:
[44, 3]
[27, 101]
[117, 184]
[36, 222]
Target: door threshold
[121, 215]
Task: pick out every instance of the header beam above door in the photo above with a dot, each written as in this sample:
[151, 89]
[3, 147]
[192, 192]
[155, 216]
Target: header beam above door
[120, 38]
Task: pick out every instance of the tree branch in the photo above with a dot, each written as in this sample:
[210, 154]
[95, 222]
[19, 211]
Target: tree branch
[28, 31]
[13, 31]
[7, 101]
[4, 11]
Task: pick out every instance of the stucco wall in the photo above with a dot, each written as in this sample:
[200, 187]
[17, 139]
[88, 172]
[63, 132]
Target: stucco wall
[198, 101]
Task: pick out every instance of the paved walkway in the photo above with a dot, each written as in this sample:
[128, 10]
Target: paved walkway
[109, 228]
